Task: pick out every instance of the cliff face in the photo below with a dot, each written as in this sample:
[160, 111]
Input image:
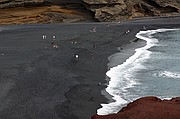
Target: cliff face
[108, 10]
[24, 3]
[82, 10]
[115, 10]
[147, 108]
[43, 11]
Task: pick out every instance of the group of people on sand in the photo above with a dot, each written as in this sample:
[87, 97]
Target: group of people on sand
[54, 45]
[93, 29]
[75, 42]
[94, 46]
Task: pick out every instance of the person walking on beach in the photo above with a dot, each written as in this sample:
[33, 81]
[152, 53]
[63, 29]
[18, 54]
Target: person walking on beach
[44, 37]
[92, 56]
[77, 57]
[127, 31]
[144, 27]
[94, 46]
[54, 37]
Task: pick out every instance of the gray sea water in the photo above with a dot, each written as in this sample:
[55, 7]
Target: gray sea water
[154, 70]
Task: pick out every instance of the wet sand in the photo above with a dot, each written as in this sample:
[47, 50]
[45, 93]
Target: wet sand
[38, 81]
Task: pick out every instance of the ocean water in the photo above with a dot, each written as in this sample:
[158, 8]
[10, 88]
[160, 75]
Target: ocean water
[153, 70]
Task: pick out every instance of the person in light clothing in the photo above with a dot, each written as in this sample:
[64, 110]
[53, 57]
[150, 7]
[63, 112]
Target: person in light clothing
[77, 57]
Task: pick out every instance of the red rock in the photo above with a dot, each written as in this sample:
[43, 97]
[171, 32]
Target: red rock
[147, 108]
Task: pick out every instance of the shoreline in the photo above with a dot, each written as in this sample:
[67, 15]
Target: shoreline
[126, 56]
[116, 60]
[67, 88]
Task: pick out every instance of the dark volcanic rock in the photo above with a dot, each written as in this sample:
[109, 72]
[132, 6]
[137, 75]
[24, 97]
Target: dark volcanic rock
[117, 10]
[43, 11]
[108, 10]
[100, 10]
[155, 8]
[23, 3]
[147, 108]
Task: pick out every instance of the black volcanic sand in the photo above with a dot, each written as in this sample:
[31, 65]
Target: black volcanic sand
[38, 81]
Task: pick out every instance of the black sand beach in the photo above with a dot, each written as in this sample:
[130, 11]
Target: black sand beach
[38, 81]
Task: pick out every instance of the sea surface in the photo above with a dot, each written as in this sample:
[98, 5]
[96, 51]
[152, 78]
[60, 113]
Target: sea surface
[153, 70]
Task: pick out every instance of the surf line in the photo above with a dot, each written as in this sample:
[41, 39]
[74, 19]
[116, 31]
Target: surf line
[121, 76]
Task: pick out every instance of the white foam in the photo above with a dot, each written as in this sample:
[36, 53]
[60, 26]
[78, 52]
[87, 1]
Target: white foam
[122, 76]
[166, 98]
[168, 74]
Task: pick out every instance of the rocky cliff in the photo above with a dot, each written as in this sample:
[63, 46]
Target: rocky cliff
[148, 108]
[115, 10]
[43, 11]
[46, 11]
